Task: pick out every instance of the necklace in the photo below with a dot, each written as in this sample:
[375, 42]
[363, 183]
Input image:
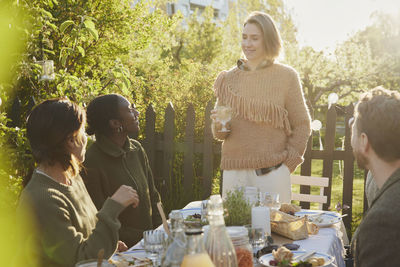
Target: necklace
[68, 181]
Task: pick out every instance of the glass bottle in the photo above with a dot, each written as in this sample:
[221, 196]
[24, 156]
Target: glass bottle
[196, 255]
[176, 243]
[218, 242]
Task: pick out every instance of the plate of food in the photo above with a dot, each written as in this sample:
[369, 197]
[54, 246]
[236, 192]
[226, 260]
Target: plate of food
[285, 257]
[192, 217]
[131, 259]
[320, 218]
[192, 212]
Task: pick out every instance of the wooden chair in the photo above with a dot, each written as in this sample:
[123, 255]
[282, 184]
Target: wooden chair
[322, 182]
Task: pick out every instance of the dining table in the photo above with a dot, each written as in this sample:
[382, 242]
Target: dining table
[329, 240]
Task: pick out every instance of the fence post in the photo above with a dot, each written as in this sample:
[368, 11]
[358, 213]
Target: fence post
[208, 156]
[168, 145]
[31, 104]
[15, 114]
[150, 133]
[329, 147]
[188, 153]
[306, 171]
[348, 170]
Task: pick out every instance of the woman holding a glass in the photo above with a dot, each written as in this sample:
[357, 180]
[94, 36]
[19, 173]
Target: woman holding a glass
[270, 124]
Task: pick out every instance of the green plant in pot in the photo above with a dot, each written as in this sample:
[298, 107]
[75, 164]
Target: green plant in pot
[238, 209]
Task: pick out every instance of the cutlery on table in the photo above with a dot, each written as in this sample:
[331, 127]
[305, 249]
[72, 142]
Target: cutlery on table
[317, 215]
[304, 257]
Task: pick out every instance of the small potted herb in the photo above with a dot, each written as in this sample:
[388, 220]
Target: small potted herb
[238, 209]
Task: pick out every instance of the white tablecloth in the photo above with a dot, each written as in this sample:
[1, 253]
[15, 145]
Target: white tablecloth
[328, 240]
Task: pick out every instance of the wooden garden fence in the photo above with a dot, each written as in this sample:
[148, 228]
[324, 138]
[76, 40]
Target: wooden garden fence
[161, 148]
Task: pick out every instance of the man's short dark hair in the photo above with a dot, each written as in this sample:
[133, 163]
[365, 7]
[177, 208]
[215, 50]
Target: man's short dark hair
[378, 116]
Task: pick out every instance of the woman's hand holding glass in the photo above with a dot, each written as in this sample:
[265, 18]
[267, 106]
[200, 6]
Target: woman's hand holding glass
[222, 115]
[126, 195]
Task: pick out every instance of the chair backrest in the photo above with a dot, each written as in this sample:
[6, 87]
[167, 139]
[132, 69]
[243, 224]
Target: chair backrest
[322, 182]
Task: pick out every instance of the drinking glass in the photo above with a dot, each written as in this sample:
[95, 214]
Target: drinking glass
[256, 238]
[47, 70]
[250, 193]
[154, 241]
[271, 200]
[224, 114]
[204, 211]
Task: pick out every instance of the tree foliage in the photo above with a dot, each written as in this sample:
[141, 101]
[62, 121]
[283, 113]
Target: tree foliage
[137, 50]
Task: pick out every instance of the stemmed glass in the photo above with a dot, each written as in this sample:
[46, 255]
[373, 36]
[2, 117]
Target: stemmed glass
[271, 200]
[256, 238]
[153, 241]
[224, 114]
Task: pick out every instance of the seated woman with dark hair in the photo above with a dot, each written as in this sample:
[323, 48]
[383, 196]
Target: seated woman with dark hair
[114, 160]
[70, 228]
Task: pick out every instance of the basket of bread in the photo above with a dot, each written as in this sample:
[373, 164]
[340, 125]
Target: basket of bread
[290, 226]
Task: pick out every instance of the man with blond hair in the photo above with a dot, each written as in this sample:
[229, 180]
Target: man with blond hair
[376, 145]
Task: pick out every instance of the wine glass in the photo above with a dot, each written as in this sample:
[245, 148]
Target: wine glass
[153, 241]
[256, 238]
[271, 200]
[224, 114]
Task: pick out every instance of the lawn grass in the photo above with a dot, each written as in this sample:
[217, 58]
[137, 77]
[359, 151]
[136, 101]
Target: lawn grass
[337, 188]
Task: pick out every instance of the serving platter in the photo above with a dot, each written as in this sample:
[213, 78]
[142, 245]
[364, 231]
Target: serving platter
[135, 258]
[265, 259]
[190, 211]
[320, 218]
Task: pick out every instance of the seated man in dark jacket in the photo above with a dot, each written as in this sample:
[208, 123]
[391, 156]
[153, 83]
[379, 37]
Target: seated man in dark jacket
[376, 145]
[114, 160]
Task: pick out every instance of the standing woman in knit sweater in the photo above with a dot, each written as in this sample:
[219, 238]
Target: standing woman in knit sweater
[69, 227]
[270, 122]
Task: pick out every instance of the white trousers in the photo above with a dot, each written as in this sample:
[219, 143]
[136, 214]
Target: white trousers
[276, 181]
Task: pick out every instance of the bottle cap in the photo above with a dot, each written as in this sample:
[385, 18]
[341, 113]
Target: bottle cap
[176, 215]
[214, 205]
[194, 231]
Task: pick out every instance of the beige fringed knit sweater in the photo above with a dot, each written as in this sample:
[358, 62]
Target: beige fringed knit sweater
[271, 122]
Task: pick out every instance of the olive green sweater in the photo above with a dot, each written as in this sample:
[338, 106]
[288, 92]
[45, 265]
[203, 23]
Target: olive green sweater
[107, 167]
[69, 228]
[376, 240]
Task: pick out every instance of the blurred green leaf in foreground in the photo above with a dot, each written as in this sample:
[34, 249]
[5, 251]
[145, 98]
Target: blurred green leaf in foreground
[15, 248]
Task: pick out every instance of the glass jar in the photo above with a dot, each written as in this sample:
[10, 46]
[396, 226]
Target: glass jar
[240, 239]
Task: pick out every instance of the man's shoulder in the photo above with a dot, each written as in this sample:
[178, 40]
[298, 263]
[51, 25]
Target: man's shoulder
[385, 207]
[379, 229]
[389, 197]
